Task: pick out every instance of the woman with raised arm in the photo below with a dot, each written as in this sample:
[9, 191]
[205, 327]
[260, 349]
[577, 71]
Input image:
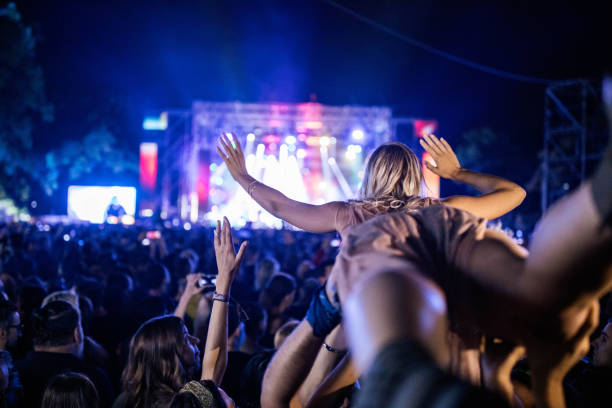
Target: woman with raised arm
[207, 393]
[392, 182]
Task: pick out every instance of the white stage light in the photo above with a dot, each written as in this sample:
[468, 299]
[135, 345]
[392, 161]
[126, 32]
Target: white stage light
[324, 141]
[301, 153]
[346, 189]
[290, 140]
[251, 137]
[283, 153]
[194, 207]
[357, 134]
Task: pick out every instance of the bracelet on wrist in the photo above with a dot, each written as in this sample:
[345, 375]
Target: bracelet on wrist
[251, 187]
[332, 349]
[221, 297]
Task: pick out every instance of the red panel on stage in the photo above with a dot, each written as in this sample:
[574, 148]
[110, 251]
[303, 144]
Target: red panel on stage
[203, 181]
[148, 166]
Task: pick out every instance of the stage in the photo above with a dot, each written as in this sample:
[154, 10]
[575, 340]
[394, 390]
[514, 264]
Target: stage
[310, 152]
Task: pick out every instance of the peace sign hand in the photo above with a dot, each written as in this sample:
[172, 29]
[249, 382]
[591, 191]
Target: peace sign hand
[447, 165]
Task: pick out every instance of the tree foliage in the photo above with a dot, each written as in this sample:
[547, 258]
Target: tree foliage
[22, 103]
[96, 154]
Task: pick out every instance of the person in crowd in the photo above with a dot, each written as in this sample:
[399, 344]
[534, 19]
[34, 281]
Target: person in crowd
[236, 359]
[164, 358]
[11, 391]
[305, 292]
[392, 182]
[10, 324]
[155, 284]
[10, 331]
[440, 264]
[254, 327]
[58, 347]
[591, 386]
[284, 331]
[113, 326]
[320, 343]
[70, 390]
[602, 347]
[252, 379]
[207, 391]
[276, 298]
[266, 268]
[305, 267]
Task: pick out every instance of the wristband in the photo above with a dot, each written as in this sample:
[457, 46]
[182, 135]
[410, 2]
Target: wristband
[221, 298]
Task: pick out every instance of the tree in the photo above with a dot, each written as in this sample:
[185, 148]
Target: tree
[97, 154]
[22, 103]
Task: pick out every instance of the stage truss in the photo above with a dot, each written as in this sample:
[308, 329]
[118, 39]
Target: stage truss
[311, 152]
[574, 137]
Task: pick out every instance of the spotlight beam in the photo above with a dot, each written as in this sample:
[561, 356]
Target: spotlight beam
[344, 185]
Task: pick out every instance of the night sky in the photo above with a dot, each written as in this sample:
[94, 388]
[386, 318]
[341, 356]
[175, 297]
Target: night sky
[164, 54]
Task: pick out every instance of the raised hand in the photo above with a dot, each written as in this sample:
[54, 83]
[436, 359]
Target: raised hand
[447, 166]
[228, 260]
[191, 286]
[233, 156]
[191, 289]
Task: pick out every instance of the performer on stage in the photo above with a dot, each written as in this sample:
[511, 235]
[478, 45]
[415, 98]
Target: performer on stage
[114, 209]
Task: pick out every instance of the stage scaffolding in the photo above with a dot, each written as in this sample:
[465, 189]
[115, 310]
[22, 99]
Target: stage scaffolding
[193, 134]
[574, 137]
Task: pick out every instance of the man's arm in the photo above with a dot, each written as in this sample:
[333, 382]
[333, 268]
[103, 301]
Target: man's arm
[330, 354]
[290, 366]
[333, 389]
[293, 361]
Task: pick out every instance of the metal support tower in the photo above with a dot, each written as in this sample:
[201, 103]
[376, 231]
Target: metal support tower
[574, 137]
[172, 158]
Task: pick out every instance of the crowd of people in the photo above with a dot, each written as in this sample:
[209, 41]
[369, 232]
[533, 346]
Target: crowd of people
[420, 305]
[75, 298]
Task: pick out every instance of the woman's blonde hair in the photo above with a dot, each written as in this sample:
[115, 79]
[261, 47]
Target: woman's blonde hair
[392, 171]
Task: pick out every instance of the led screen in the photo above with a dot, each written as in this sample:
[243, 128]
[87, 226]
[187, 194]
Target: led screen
[92, 203]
